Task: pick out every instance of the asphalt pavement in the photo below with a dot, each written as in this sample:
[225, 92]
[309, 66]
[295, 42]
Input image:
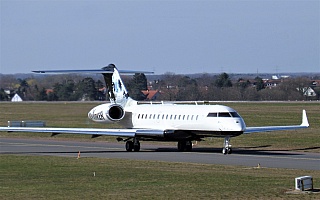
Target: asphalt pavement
[239, 157]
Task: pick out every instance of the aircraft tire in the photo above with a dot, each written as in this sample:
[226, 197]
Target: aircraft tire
[184, 146]
[129, 146]
[227, 151]
[188, 145]
[136, 146]
[224, 151]
[181, 145]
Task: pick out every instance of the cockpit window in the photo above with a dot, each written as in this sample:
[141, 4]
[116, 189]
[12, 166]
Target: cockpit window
[212, 115]
[235, 114]
[224, 114]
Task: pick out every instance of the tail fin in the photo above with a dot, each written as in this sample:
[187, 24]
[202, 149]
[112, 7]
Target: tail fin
[117, 92]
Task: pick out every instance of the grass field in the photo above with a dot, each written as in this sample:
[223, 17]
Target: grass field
[48, 177]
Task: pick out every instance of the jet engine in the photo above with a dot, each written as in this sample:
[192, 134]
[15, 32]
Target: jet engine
[107, 113]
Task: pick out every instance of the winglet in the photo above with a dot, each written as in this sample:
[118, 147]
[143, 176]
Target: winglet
[304, 119]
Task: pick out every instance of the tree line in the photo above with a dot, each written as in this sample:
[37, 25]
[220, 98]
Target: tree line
[222, 88]
[65, 88]
[171, 87]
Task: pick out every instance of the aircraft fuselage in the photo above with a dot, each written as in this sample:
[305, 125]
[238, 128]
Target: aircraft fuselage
[196, 120]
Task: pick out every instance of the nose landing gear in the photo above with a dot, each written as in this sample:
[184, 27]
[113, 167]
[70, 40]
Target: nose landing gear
[227, 146]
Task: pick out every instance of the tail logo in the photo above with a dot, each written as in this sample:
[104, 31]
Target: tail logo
[116, 89]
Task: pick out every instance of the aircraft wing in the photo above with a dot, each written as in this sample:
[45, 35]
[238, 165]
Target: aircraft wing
[88, 131]
[304, 124]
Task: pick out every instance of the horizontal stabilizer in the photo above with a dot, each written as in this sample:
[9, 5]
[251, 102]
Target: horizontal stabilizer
[90, 71]
[105, 70]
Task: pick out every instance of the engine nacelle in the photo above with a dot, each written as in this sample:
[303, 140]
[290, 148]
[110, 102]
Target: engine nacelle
[107, 113]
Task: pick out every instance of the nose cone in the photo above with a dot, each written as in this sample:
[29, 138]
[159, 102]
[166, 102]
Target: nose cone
[233, 125]
[241, 126]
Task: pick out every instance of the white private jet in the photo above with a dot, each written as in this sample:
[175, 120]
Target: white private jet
[158, 122]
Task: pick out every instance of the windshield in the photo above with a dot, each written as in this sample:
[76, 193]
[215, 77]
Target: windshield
[223, 114]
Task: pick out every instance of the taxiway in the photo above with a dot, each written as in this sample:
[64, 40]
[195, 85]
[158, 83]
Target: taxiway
[240, 157]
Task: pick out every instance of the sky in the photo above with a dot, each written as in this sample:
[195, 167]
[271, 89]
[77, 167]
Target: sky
[180, 37]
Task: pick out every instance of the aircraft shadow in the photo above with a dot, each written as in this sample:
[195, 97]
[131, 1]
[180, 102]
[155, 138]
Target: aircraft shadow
[239, 151]
[265, 146]
[303, 149]
[236, 151]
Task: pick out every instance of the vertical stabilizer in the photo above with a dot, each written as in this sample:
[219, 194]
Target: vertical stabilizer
[117, 92]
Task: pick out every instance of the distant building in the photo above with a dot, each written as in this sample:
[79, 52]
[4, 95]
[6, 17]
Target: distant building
[16, 98]
[271, 83]
[309, 92]
[151, 95]
[276, 77]
[8, 92]
[49, 91]
[316, 83]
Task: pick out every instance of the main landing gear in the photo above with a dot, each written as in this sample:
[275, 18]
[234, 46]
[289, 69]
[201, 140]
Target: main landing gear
[227, 146]
[185, 145]
[133, 145]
